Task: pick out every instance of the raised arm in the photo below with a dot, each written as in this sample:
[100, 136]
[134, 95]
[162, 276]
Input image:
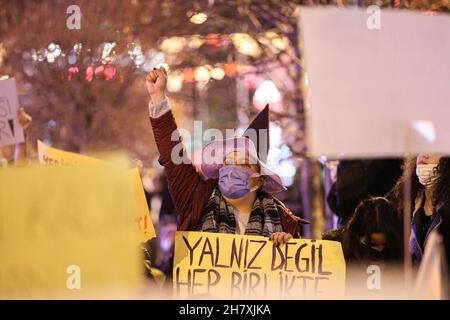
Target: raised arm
[186, 186]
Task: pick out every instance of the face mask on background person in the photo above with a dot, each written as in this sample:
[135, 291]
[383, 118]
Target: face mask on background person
[427, 173]
[234, 182]
[377, 255]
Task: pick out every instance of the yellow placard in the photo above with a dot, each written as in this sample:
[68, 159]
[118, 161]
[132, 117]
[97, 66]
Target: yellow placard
[54, 157]
[66, 232]
[143, 220]
[49, 156]
[213, 265]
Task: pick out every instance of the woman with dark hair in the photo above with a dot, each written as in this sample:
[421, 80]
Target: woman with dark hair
[373, 233]
[371, 240]
[430, 204]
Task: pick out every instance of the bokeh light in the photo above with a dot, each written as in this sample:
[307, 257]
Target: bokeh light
[199, 18]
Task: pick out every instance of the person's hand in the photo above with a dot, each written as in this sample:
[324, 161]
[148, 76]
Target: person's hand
[24, 119]
[280, 238]
[156, 82]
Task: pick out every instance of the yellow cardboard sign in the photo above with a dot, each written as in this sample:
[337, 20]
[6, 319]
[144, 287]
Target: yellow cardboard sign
[55, 157]
[215, 265]
[66, 232]
[143, 219]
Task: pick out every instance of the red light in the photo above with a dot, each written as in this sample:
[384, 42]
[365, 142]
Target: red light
[89, 74]
[213, 39]
[72, 71]
[99, 70]
[231, 69]
[109, 73]
[189, 75]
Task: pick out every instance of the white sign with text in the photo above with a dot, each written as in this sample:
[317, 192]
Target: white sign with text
[10, 130]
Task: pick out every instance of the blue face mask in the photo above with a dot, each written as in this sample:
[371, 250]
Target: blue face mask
[234, 181]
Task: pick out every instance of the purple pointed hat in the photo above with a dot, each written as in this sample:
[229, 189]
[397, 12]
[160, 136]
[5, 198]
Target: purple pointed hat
[258, 133]
[252, 148]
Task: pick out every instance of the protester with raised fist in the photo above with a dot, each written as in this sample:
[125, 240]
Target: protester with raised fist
[237, 196]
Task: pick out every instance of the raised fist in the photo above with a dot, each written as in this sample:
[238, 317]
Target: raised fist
[156, 82]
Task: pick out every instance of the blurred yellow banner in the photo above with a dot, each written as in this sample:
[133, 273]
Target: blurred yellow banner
[143, 219]
[55, 157]
[66, 232]
[213, 265]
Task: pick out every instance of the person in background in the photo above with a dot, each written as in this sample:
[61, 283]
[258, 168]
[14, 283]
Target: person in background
[430, 201]
[237, 197]
[165, 248]
[358, 179]
[19, 155]
[164, 218]
[372, 238]
[158, 196]
[372, 234]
